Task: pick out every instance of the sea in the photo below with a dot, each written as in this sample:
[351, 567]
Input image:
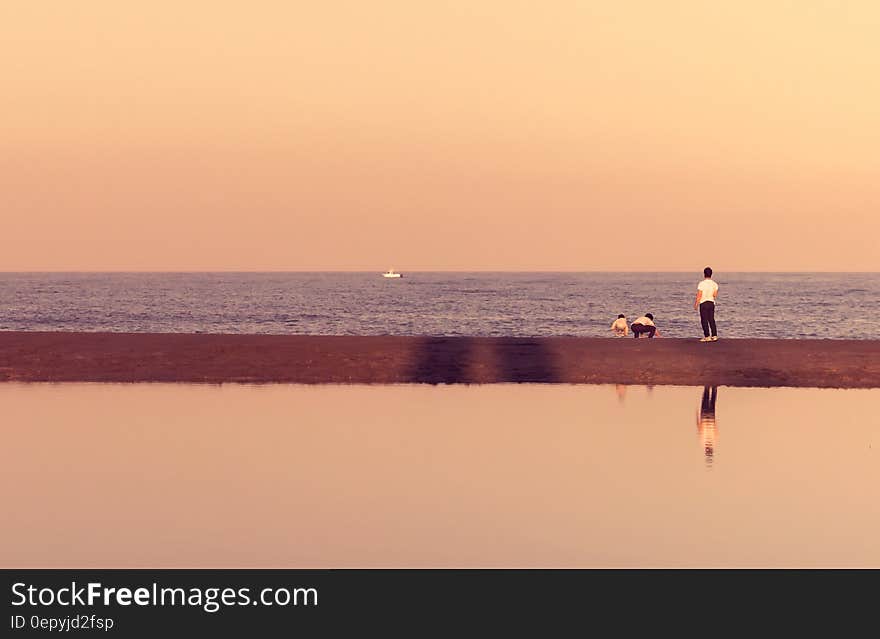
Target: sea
[750, 305]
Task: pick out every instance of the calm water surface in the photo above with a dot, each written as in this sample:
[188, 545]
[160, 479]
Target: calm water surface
[779, 305]
[499, 475]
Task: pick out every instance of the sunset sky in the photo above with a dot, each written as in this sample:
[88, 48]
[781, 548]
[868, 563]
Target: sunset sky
[461, 135]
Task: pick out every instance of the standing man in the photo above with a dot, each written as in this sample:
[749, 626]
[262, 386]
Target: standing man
[707, 293]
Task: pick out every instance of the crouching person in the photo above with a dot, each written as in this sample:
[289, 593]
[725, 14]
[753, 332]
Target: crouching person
[644, 326]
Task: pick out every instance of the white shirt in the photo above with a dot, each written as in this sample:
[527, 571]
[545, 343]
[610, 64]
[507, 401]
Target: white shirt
[708, 290]
[644, 321]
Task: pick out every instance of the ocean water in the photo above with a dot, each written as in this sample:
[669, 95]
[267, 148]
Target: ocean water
[762, 305]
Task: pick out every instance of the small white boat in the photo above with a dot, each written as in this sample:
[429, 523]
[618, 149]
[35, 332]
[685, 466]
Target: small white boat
[390, 273]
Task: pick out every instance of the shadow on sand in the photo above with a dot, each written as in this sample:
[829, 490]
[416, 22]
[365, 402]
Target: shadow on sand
[525, 360]
[457, 360]
[443, 360]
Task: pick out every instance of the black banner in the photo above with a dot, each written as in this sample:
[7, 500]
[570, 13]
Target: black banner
[142, 603]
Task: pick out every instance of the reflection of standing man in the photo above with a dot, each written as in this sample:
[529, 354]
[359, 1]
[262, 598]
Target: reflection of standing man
[706, 426]
[707, 292]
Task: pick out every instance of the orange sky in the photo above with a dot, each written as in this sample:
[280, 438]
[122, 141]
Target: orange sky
[466, 135]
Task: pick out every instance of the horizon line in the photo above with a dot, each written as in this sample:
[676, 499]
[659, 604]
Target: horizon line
[194, 271]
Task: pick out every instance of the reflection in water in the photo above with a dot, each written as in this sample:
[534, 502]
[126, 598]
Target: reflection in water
[620, 389]
[706, 424]
[419, 476]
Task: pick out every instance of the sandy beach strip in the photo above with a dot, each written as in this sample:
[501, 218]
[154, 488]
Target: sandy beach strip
[209, 358]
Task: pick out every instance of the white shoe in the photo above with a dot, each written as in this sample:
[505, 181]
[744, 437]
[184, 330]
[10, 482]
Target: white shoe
[714, 338]
[705, 339]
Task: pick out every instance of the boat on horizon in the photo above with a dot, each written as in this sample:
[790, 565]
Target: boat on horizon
[390, 273]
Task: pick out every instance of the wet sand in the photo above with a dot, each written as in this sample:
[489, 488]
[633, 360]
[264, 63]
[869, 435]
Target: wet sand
[418, 476]
[141, 357]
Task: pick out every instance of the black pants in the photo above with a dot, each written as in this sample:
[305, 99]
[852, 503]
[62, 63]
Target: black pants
[707, 318]
[638, 329]
[707, 406]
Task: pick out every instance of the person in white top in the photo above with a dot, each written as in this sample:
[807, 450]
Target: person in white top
[645, 324]
[619, 326]
[707, 293]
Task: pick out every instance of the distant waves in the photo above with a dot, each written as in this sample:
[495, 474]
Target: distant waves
[764, 305]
